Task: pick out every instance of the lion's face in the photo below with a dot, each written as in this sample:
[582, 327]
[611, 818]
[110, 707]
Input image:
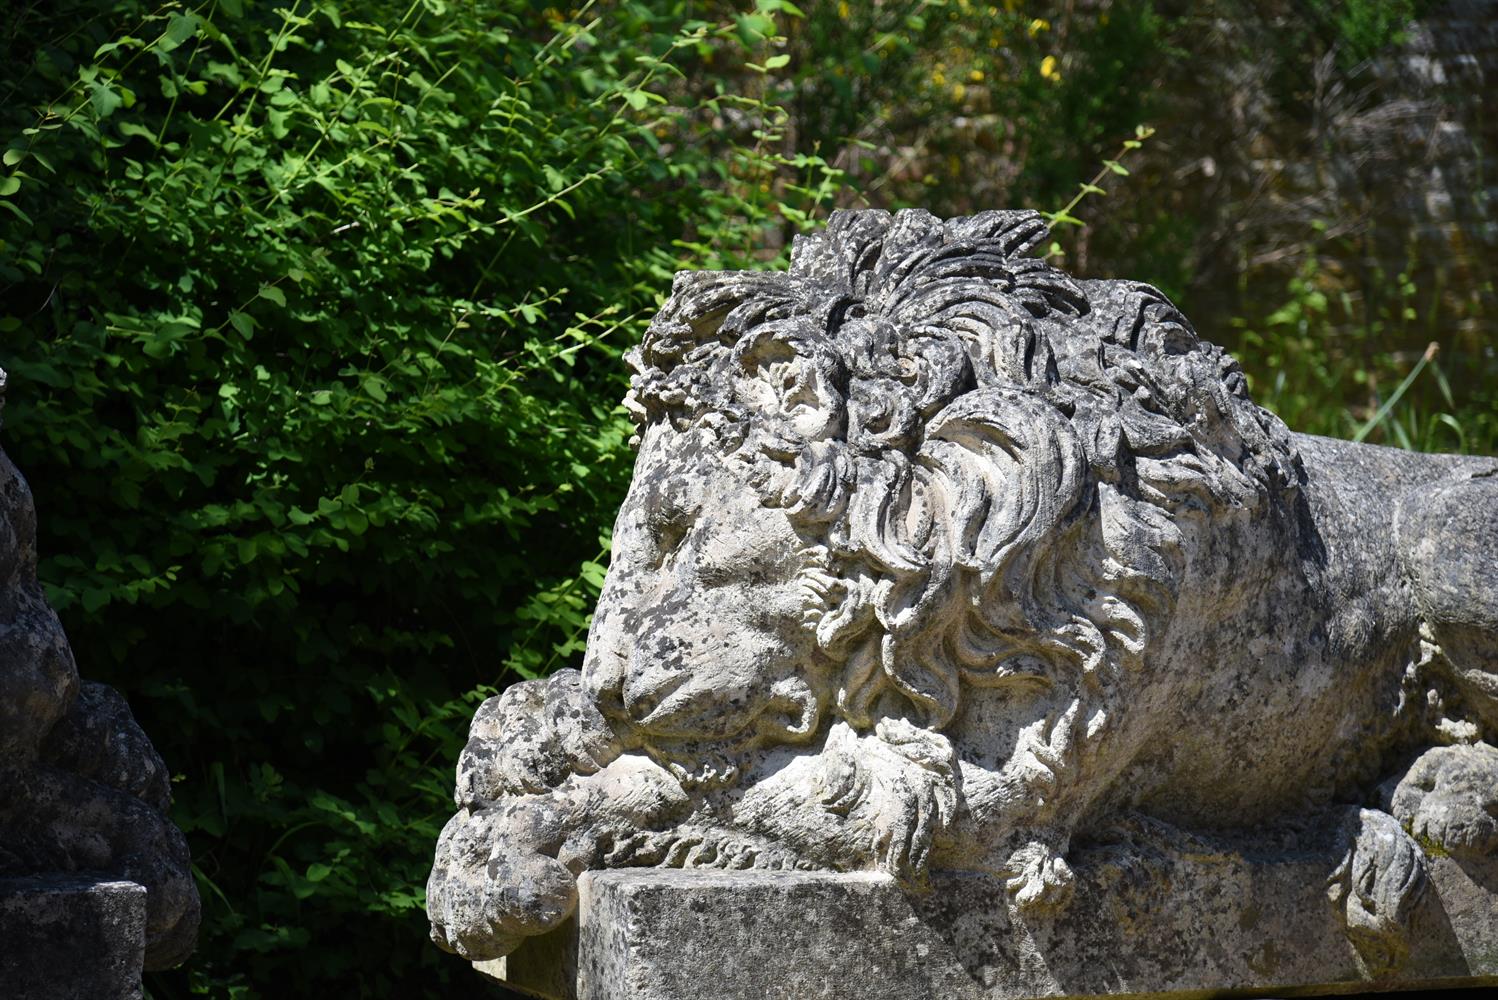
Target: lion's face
[700, 632]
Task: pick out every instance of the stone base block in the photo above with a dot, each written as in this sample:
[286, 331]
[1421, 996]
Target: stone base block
[67, 937]
[1176, 925]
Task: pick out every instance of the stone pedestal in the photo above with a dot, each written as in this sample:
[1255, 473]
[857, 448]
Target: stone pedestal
[1171, 925]
[66, 937]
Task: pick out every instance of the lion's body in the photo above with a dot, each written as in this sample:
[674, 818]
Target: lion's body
[937, 557]
[1301, 637]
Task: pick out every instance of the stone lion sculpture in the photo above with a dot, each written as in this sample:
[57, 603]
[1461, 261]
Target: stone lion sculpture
[81, 787]
[936, 557]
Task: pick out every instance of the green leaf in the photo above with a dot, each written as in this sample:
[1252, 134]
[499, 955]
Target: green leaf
[13, 208]
[273, 293]
[134, 130]
[105, 99]
[13, 156]
[178, 30]
[9, 185]
[1116, 167]
[775, 62]
[242, 322]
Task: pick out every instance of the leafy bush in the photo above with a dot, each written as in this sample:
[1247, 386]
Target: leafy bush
[313, 313]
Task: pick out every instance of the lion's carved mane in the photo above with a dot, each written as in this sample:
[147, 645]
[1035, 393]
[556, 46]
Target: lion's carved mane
[999, 471]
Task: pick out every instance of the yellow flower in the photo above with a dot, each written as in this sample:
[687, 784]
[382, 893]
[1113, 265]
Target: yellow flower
[1048, 68]
[939, 78]
[1038, 25]
[976, 76]
[958, 92]
[842, 9]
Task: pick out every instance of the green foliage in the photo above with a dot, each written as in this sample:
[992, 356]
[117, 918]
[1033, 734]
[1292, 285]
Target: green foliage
[1362, 27]
[1371, 367]
[1064, 216]
[313, 313]
[960, 106]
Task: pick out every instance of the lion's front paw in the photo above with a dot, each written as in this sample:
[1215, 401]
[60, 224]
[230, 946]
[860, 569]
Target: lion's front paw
[508, 870]
[488, 891]
[496, 879]
[1449, 799]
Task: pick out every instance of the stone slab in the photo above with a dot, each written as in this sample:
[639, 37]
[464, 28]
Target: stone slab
[1177, 926]
[68, 937]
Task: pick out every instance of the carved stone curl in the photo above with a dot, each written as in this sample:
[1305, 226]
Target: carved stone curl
[938, 558]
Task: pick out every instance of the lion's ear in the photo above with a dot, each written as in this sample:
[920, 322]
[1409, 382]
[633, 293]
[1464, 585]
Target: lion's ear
[1001, 471]
[1011, 470]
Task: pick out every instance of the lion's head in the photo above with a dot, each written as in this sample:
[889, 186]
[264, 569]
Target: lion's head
[920, 461]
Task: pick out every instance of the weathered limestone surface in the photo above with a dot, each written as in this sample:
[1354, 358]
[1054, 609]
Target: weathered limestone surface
[83, 795]
[68, 937]
[941, 565]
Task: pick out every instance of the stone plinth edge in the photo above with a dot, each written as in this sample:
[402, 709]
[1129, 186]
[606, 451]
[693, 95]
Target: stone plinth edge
[1251, 927]
[67, 936]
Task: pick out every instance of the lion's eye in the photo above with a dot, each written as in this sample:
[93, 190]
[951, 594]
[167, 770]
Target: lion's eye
[749, 565]
[668, 527]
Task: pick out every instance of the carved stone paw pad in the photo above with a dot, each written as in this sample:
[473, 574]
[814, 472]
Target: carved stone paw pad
[1377, 886]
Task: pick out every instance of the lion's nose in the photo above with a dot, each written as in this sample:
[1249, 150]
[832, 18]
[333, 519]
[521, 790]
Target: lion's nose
[603, 678]
[645, 690]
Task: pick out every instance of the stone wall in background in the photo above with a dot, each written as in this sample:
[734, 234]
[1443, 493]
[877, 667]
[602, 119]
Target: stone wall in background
[1400, 155]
